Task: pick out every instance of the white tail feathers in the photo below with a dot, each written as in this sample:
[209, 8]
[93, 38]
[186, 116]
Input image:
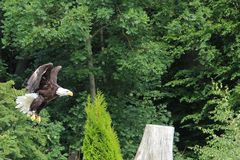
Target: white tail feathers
[24, 102]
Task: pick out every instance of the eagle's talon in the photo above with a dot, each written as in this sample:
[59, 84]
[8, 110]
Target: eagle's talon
[38, 119]
[33, 117]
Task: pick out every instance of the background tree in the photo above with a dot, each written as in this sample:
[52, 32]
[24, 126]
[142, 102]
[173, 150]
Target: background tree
[204, 38]
[39, 31]
[154, 60]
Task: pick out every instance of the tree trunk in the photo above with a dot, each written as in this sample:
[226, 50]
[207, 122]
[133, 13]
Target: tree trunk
[90, 66]
[21, 66]
[156, 144]
[74, 155]
[101, 39]
[1, 34]
[0, 53]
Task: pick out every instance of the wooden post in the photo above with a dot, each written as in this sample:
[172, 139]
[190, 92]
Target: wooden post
[156, 144]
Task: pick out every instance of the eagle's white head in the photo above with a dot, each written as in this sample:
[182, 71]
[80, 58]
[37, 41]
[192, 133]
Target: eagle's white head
[64, 92]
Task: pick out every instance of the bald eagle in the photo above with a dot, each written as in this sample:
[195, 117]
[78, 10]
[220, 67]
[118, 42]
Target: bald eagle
[41, 88]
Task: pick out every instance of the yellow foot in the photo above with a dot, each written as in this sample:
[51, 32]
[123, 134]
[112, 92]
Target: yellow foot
[38, 119]
[33, 117]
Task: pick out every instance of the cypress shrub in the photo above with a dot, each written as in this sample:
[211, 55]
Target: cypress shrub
[100, 141]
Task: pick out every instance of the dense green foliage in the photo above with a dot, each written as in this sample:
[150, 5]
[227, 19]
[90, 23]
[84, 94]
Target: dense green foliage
[100, 141]
[206, 38]
[22, 139]
[161, 62]
[222, 146]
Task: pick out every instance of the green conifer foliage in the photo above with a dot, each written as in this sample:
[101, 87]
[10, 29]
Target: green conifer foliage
[100, 141]
[22, 139]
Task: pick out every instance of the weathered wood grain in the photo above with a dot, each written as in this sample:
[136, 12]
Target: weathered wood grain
[156, 144]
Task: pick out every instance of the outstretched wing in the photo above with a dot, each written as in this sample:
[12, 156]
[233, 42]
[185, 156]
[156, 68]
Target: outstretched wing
[37, 77]
[54, 74]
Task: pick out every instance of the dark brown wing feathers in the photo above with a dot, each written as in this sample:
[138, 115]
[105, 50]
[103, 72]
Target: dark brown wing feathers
[39, 76]
[45, 78]
[54, 74]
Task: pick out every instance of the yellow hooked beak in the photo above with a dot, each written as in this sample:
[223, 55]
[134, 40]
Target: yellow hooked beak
[70, 93]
